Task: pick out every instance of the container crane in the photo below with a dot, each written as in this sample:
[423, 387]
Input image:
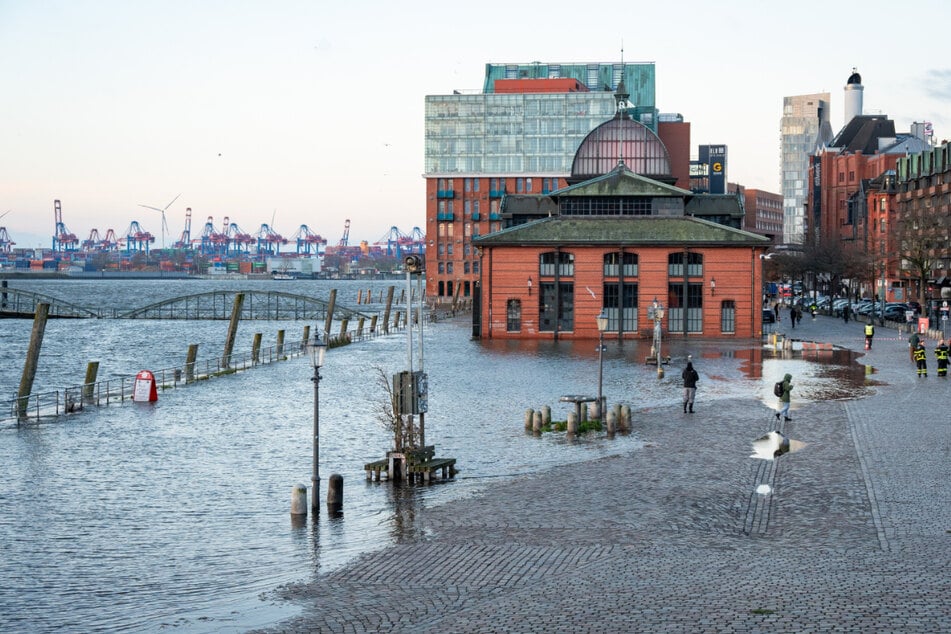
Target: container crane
[346, 233]
[63, 240]
[137, 239]
[307, 239]
[269, 241]
[239, 241]
[6, 244]
[213, 242]
[185, 242]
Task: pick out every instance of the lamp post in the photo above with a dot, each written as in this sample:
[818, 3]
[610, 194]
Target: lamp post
[316, 349]
[602, 320]
[656, 312]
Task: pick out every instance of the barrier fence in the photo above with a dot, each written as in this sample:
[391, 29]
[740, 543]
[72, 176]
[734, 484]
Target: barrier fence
[73, 399]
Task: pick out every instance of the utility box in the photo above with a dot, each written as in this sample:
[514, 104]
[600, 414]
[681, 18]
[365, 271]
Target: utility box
[411, 392]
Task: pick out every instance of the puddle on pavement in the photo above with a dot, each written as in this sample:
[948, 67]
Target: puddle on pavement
[773, 445]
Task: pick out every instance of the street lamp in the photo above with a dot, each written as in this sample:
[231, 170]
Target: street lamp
[602, 320]
[316, 349]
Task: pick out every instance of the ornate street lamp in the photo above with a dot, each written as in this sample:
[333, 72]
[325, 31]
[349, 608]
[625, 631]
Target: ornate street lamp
[602, 320]
[656, 312]
[316, 349]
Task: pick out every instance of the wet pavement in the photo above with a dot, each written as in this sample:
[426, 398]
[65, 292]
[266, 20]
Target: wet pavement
[852, 533]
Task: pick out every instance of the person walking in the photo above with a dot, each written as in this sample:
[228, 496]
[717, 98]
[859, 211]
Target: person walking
[792, 315]
[785, 398]
[921, 359]
[845, 313]
[941, 354]
[869, 334]
[690, 377]
[912, 344]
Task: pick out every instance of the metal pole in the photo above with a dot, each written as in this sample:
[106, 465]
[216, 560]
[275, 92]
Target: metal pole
[315, 479]
[600, 374]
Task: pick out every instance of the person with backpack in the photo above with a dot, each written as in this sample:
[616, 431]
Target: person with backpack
[869, 334]
[690, 377]
[782, 389]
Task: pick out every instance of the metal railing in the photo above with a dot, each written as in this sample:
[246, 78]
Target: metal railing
[55, 403]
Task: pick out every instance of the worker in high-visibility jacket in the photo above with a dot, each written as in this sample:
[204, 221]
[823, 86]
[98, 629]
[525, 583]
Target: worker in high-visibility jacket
[921, 359]
[941, 354]
[869, 333]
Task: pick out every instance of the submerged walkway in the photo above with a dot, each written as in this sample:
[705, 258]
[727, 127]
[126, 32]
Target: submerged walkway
[855, 536]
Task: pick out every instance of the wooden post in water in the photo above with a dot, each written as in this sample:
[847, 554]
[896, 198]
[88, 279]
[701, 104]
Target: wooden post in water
[386, 310]
[92, 371]
[373, 324]
[402, 296]
[232, 330]
[343, 328]
[32, 359]
[256, 349]
[360, 327]
[279, 348]
[303, 341]
[331, 304]
[190, 362]
[359, 296]
[396, 321]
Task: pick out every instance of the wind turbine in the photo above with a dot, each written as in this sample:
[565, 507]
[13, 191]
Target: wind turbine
[162, 211]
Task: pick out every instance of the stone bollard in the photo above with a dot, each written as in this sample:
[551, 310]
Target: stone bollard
[299, 500]
[537, 422]
[529, 417]
[612, 423]
[625, 418]
[572, 423]
[335, 493]
[546, 415]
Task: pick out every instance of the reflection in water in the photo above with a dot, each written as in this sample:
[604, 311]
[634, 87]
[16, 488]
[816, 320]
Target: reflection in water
[773, 445]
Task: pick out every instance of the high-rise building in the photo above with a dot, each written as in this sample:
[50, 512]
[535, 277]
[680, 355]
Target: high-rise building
[519, 135]
[804, 128]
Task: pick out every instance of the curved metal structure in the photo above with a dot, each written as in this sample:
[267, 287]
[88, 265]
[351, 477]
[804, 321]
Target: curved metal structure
[258, 305]
[22, 304]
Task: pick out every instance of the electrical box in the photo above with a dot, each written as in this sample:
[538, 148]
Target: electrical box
[411, 392]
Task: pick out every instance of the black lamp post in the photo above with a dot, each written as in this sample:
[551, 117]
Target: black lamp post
[602, 320]
[316, 349]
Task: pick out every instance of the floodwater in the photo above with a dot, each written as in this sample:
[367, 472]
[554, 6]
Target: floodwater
[175, 515]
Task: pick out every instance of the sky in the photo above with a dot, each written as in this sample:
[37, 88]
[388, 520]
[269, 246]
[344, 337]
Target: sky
[291, 113]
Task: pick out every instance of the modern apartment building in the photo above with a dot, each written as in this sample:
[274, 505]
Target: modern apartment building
[804, 128]
[519, 135]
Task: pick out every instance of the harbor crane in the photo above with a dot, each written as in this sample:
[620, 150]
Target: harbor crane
[307, 240]
[63, 240]
[185, 242]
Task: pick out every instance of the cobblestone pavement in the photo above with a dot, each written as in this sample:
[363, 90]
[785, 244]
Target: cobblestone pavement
[855, 536]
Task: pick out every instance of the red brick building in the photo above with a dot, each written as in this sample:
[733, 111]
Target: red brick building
[617, 242]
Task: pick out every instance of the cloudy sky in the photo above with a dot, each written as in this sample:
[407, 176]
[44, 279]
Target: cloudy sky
[311, 112]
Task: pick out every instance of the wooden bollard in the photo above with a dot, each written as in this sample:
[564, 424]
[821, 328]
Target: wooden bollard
[537, 422]
[360, 327]
[232, 329]
[529, 418]
[612, 423]
[279, 348]
[572, 423]
[335, 493]
[92, 370]
[256, 349]
[299, 500]
[546, 415]
[305, 337]
[32, 359]
[625, 418]
[190, 358]
[359, 296]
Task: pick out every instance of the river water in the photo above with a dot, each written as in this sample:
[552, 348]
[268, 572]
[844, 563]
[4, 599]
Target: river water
[175, 515]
